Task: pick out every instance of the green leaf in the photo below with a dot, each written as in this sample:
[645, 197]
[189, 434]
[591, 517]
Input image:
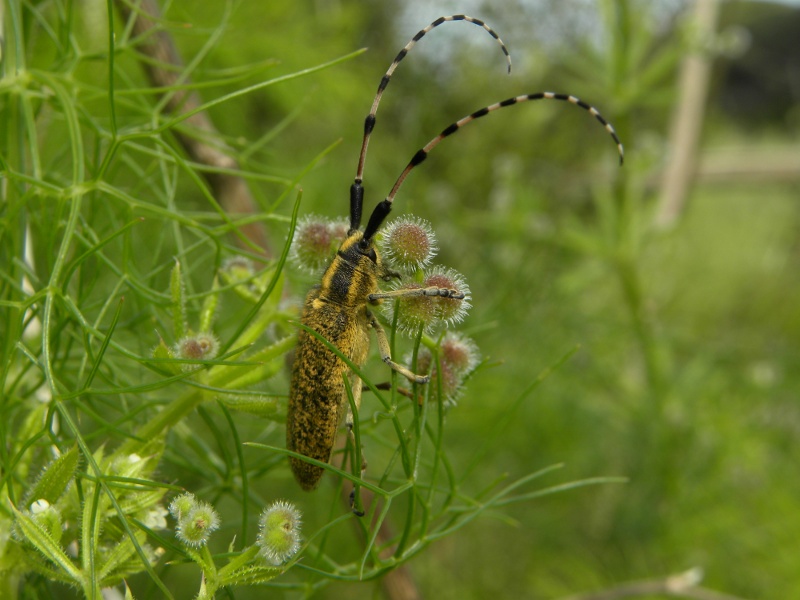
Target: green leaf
[209, 307]
[237, 561]
[164, 351]
[55, 478]
[141, 501]
[40, 538]
[251, 575]
[271, 356]
[259, 406]
[119, 556]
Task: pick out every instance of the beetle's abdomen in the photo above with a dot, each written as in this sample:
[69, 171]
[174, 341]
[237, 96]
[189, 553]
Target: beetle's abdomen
[317, 397]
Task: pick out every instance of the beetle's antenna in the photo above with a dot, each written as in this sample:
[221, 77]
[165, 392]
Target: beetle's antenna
[356, 190]
[422, 154]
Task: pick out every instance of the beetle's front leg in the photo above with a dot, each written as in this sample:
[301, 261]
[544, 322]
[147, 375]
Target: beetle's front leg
[413, 292]
[386, 353]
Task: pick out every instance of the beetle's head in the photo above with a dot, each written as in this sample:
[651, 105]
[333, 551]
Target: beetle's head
[360, 252]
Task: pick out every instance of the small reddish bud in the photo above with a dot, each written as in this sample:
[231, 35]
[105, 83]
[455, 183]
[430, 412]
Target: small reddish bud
[458, 356]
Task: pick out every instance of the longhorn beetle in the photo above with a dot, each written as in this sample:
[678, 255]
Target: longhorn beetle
[338, 308]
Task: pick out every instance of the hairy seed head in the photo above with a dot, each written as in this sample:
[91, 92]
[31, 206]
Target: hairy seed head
[238, 268]
[196, 526]
[182, 505]
[458, 356]
[279, 532]
[200, 346]
[414, 312]
[408, 243]
[312, 244]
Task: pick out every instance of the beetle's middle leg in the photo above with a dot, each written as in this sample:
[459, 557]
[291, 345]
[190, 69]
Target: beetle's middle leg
[386, 352]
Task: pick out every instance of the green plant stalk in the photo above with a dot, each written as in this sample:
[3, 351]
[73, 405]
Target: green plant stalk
[242, 470]
[209, 308]
[624, 261]
[111, 53]
[420, 414]
[9, 585]
[90, 536]
[631, 284]
[179, 317]
[165, 419]
[234, 377]
[226, 575]
[619, 23]
[370, 549]
[211, 576]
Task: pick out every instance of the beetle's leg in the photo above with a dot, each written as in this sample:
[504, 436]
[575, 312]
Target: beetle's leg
[349, 421]
[351, 434]
[411, 292]
[349, 424]
[389, 274]
[385, 349]
[400, 390]
[355, 387]
[356, 511]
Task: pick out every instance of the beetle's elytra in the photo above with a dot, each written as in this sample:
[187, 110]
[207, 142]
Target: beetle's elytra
[338, 309]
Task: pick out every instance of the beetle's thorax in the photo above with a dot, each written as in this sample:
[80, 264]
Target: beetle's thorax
[353, 273]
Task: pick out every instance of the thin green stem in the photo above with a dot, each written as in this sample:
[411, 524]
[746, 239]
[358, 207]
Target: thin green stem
[111, 55]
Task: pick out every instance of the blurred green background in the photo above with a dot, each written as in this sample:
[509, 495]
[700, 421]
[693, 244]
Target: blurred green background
[687, 369]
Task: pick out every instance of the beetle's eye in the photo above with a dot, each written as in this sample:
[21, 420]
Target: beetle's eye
[372, 256]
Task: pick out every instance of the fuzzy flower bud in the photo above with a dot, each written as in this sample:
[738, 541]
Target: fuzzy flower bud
[182, 505]
[129, 465]
[238, 269]
[47, 516]
[449, 310]
[195, 526]
[315, 240]
[339, 229]
[200, 346]
[408, 243]
[429, 311]
[39, 506]
[458, 356]
[279, 532]
[459, 351]
[414, 311]
[156, 517]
